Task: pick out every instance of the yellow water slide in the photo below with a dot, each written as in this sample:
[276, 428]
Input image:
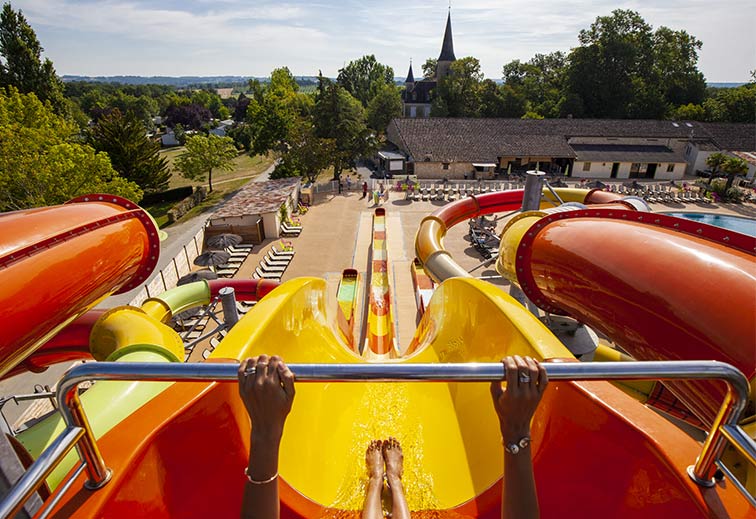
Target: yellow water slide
[449, 431]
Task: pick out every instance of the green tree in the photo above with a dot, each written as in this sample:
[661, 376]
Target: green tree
[689, 112]
[613, 51]
[461, 88]
[180, 133]
[733, 166]
[531, 115]
[41, 161]
[364, 78]
[386, 105]
[735, 105]
[623, 68]
[307, 155]
[204, 154]
[340, 117]
[132, 154]
[715, 162]
[21, 64]
[273, 110]
[500, 100]
[675, 67]
[429, 68]
[540, 81]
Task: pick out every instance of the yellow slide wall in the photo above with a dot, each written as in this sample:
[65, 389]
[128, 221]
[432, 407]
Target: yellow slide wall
[449, 432]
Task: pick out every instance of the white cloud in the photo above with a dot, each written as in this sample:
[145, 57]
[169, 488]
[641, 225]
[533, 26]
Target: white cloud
[252, 37]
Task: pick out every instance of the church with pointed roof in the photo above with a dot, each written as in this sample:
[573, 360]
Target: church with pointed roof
[417, 95]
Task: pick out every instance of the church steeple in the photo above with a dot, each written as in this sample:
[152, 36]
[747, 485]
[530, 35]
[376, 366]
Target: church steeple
[447, 49]
[410, 75]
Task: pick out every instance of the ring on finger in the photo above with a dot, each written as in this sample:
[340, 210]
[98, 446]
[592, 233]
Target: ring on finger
[524, 378]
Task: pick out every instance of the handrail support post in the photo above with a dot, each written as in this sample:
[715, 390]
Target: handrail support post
[98, 473]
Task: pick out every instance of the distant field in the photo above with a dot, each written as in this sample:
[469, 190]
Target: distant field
[244, 166]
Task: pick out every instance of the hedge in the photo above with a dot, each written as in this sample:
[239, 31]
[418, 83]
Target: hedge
[170, 195]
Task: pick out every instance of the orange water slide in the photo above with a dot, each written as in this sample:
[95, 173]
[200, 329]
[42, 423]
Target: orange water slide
[58, 262]
[664, 288]
[655, 284]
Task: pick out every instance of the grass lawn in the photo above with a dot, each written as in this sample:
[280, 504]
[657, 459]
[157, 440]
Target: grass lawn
[225, 183]
[244, 166]
[160, 212]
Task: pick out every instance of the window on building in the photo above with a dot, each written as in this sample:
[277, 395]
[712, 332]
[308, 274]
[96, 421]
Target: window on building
[670, 168]
[446, 165]
[586, 166]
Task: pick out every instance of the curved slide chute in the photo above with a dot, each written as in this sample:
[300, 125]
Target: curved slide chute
[650, 282]
[58, 262]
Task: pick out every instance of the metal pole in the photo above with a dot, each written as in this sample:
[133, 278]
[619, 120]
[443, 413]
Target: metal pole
[531, 198]
[531, 201]
[38, 471]
[730, 411]
[89, 452]
[230, 312]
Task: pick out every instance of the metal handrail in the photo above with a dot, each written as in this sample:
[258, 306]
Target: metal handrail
[702, 472]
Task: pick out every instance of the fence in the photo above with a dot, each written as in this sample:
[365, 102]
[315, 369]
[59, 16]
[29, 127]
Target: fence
[168, 276]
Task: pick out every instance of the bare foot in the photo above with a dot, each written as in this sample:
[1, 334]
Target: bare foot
[392, 455]
[374, 460]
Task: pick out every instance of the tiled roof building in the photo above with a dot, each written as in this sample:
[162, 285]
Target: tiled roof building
[450, 147]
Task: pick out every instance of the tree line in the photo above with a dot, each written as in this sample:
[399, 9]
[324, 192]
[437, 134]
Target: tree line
[94, 136]
[622, 69]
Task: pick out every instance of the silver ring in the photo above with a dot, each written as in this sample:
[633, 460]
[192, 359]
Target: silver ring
[524, 378]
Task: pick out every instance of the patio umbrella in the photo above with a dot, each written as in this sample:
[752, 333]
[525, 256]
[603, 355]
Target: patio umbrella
[212, 257]
[596, 184]
[196, 276]
[223, 241]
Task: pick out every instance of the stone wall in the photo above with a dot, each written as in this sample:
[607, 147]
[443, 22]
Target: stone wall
[183, 207]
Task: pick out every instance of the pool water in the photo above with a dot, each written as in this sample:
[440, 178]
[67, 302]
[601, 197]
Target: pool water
[733, 223]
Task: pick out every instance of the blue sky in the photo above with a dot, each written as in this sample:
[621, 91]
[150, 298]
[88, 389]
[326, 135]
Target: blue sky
[236, 37]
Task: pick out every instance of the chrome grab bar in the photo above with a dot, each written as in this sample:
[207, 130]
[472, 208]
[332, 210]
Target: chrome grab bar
[724, 428]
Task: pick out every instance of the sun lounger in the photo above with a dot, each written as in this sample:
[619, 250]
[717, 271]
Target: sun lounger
[267, 267]
[290, 231]
[273, 260]
[229, 265]
[239, 256]
[227, 273]
[196, 334]
[282, 253]
[240, 248]
[259, 274]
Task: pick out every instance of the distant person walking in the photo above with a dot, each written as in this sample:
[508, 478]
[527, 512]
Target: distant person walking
[341, 185]
[349, 182]
[364, 189]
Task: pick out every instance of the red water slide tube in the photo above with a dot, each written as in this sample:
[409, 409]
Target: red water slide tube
[72, 342]
[244, 289]
[58, 262]
[663, 287]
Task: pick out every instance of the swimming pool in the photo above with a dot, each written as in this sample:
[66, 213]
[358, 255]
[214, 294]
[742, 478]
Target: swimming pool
[739, 224]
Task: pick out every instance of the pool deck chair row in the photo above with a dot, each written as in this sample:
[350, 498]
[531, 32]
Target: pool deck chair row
[273, 265]
[231, 267]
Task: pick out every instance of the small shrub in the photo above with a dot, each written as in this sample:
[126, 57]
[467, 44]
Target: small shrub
[169, 195]
[734, 195]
